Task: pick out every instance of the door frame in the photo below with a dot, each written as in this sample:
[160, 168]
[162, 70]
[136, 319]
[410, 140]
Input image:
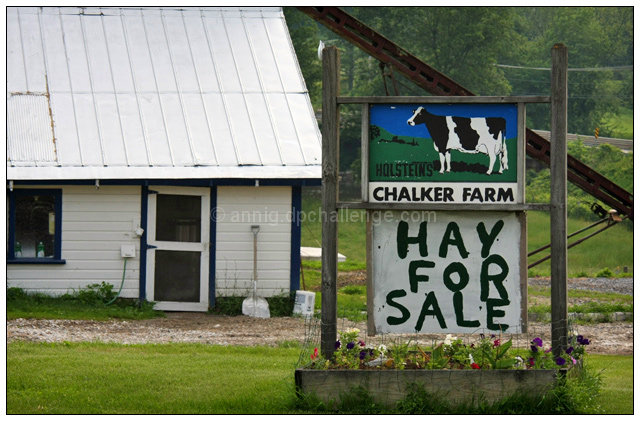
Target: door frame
[204, 246]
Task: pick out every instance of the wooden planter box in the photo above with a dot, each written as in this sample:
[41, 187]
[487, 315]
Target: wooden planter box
[455, 386]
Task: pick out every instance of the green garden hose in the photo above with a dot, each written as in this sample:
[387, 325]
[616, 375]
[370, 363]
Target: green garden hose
[124, 270]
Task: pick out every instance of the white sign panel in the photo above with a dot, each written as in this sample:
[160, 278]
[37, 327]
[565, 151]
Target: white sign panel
[448, 272]
[426, 193]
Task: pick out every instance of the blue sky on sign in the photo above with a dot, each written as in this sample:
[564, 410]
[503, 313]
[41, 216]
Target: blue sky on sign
[393, 117]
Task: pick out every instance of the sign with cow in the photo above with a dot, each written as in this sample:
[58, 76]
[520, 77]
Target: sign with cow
[457, 153]
[440, 272]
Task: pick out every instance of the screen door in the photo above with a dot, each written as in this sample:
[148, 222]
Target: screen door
[178, 248]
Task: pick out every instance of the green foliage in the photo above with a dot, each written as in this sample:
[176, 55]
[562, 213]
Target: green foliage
[282, 305]
[85, 304]
[597, 37]
[279, 305]
[606, 159]
[354, 290]
[228, 306]
[358, 401]
[93, 294]
[604, 273]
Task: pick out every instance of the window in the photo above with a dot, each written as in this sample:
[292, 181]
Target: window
[35, 226]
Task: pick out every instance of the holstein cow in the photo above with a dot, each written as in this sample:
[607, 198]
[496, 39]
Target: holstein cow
[466, 134]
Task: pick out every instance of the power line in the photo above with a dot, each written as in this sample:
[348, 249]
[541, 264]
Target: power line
[575, 69]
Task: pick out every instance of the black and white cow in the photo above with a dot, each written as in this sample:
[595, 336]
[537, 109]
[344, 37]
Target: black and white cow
[466, 134]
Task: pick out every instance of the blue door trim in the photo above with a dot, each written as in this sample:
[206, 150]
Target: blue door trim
[296, 229]
[212, 250]
[144, 207]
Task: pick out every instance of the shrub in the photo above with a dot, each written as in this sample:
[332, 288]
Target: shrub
[14, 294]
[604, 273]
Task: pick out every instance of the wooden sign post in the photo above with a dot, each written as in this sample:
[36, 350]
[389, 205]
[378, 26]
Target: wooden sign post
[330, 153]
[558, 214]
[474, 275]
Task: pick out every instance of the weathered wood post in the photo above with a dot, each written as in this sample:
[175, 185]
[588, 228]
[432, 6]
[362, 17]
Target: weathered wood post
[330, 153]
[559, 92]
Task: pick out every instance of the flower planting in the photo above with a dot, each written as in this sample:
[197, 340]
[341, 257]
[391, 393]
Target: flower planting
[489, 352]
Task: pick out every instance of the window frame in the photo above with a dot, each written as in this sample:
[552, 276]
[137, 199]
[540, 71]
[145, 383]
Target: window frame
[57, 250]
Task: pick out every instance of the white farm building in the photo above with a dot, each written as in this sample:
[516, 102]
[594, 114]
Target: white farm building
[148, 142]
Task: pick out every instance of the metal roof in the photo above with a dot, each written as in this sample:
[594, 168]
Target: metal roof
[156, 93]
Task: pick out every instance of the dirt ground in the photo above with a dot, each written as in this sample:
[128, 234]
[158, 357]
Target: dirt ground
[606, 338]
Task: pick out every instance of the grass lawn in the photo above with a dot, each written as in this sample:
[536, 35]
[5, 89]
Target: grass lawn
[94, 378]
[617, 374]
[148, 379]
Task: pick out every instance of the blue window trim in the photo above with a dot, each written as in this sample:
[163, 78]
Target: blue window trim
[57, 251]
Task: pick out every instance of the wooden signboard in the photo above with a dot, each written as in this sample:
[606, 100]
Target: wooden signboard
[460, 272]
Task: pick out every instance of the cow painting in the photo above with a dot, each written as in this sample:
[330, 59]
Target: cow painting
[466, 134]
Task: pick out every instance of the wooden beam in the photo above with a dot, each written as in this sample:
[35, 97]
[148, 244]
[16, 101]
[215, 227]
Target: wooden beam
[558, 214]
[442, 99]
[330, 153]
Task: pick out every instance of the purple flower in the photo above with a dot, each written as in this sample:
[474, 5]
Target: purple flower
[561, 361]
[569, 350]
[534, 348]
[537, 342]
[350, 345]
[363, 354]
[582, 340]
[338, 344]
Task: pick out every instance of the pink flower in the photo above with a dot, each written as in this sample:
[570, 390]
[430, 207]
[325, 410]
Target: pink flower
[496, 343]
[361, 343]
[475, 366]
[315, 354]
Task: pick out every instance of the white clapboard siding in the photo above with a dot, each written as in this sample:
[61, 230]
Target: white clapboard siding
[95, 223]
[238, 209]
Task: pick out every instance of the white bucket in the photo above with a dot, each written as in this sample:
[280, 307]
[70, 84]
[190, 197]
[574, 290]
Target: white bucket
[305, 303]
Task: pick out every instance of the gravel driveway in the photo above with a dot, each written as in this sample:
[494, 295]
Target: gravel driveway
[606, 338]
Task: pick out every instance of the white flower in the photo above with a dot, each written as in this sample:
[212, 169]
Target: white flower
[382, 349]
[448, 339]
[471, 359]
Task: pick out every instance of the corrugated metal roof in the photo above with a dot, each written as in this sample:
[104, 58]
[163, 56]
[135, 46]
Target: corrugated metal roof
[156, 93]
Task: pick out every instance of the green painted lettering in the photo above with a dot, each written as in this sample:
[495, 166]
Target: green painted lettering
[487, 239]
[414, 278]
[497, 278]
[430, 307]
[398, 293]
[403, 240]
[447, 239]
